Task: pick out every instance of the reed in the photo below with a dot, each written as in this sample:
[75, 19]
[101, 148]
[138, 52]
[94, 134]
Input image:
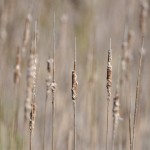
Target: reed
[116, 110]
[30, 105]
[53, 86]
[74, 93]
[137, 93]
[108, 86]
[27, 30]
[48, 83]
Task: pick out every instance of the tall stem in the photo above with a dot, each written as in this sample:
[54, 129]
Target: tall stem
[74, 107]
[137, 94]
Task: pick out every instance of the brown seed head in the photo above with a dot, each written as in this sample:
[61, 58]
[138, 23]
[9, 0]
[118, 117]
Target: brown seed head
[32, 117]
[109, 73]
[74, 85]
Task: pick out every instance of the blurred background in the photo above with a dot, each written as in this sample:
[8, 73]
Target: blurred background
[93, 22]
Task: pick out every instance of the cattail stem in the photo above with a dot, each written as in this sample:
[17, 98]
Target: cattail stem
[53, 118]
[107, 125]
[137, 94]
[74, 108]
[54, 47]
[30, 144]
[17, 107]
[130, 130]
[70, 139]
[44, 130]
[48, 83]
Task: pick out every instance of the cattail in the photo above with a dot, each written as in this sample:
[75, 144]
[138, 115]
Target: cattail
[49, 71]
[123, 60]
[32, 117]
[126, 54]
[26, 35]
[109, 72]
[31, 78]
[53, 85]
[74, 85]
[30, 82]
[48, 90]
[17, 73]
[17, 76]
[49, 65]
[116, 116]
[143, 17]
[4, 21]
[74, 93]
[137, 92]
[33, 89]
[108, 86]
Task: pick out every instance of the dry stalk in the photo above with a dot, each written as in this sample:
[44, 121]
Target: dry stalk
[108, 86]
[53, 87]
[31, 73]
[17, 76]
[137, 93]
[17, 73]
[48, 83]
[116, 116]
[26, 35]
[130, 42]
[70, 139]
[74, 93]
[30, 106]
[130, 125]
[126, 55]
[126, 68]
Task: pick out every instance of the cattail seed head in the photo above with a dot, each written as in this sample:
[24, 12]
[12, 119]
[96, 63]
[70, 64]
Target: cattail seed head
[49, 65]
[49, 70]
[26, 35]
[116, 113]
[123, 60]
[31, 80]
[116, 105]
[143, 16]
[74, 76]
[109, 73]
[74, 85]
[53, 86]
[32, 117]
[17, 73]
